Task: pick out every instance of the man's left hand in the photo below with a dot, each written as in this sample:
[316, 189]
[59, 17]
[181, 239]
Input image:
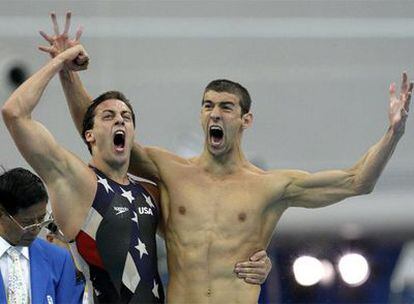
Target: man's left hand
[399, 104]
[256, 270]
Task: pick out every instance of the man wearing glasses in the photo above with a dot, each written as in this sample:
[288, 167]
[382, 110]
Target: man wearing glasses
[32, 270]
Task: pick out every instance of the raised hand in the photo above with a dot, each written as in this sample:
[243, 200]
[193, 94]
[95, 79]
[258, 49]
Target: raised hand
[59, 42]
[69, 55]
[400, 104]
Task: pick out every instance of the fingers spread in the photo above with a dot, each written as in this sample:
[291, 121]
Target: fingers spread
[47, 49]
[408, 101]
[404, 82]
[55, 24]
[79, 33]
[67, 22]
[46, 37]
[392, 89]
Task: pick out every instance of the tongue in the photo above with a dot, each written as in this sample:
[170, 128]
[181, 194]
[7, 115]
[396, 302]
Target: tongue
[216, 140]
[119, 142]
[119, 148]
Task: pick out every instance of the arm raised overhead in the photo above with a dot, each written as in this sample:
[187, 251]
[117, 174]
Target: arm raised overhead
[71, 184]
[328, 187]
[77, 97]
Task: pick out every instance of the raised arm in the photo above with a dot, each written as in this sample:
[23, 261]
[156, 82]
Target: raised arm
[327, 187]
[78, 98]
[64, 174]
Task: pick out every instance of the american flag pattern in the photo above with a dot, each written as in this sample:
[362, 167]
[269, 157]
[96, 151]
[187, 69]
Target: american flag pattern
[117, 242]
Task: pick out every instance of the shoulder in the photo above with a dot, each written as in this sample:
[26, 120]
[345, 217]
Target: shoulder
[288, 174]
[52, 252]
[159, 154]
[151, 186]
[284, 179]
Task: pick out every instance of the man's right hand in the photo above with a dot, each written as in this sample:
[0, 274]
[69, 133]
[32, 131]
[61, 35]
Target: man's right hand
[61, 41]
[68, 56]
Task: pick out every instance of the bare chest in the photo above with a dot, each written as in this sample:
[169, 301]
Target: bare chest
[201, 203]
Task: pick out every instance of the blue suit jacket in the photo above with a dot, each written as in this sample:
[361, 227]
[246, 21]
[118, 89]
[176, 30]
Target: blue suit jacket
[52, 275]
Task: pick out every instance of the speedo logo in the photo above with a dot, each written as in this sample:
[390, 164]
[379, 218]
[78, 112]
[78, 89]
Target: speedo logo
[120, 210]
[145, 210]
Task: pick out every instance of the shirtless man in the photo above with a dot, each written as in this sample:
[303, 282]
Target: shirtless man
[113, 217]
[218, 207]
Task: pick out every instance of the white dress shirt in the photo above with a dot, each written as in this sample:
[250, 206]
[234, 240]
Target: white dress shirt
[6, 262]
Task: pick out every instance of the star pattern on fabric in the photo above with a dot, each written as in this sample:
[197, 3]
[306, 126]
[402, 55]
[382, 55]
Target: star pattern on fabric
[141, 248]
[155, 290]
[104, 182]
[127, 195]
[130, 275]
[148, 200]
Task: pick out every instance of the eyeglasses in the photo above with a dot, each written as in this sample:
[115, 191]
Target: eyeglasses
[32, 227]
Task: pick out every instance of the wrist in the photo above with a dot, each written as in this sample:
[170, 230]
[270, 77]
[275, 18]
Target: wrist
[64, 72]
[58, 62]
[395, 133]
[66, 75]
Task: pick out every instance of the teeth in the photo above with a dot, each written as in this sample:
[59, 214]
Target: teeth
[120, 132]
[215, 128]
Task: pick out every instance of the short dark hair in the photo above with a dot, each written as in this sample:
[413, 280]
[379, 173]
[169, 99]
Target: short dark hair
[21, 189]
[228, 86]
[89, 118]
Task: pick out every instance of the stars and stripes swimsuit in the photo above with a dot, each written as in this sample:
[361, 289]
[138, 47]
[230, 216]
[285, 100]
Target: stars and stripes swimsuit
[117, 245]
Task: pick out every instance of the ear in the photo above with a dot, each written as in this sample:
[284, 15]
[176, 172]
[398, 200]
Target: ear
[89, 136]
[50, 237]
[4, 219]
[247, 120]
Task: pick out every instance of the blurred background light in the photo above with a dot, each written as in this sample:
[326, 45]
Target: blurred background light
[354, 269]
[328, 275]
[308, 270]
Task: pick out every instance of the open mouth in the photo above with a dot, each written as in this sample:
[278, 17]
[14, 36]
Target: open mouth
[119, 140]
[216, 135]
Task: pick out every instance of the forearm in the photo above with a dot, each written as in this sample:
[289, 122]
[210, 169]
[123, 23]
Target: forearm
[22, 102]
[367, 170]
[327, 187]
[76, 96]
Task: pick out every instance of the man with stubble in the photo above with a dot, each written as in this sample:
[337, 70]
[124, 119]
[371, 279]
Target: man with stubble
[218, 207]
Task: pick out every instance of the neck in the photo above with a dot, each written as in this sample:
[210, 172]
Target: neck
[223, 164]
[116, 172]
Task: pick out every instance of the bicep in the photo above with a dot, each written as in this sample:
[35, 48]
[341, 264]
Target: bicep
[313, 190]
[38, 147]
[141, 163]
[70, 183]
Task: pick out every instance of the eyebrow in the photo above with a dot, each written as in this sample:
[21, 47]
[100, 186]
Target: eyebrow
[113, 112]
[37, 218]
[108, 110]
[224, 102]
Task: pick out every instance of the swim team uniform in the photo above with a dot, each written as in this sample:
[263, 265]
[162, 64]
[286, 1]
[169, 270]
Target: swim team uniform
[116, 244]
